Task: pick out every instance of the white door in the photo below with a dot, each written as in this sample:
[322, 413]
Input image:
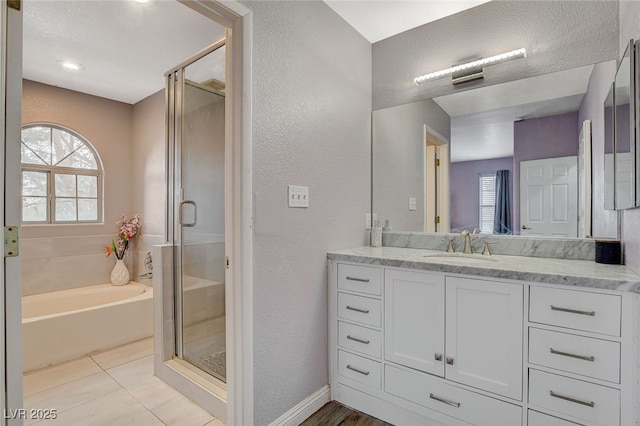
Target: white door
[549, 197]
[484, 335]
[10, 306]
[414, 320]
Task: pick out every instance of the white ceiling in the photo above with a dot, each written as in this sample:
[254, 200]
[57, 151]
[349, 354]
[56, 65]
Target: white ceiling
[126, 47]
[379, 19]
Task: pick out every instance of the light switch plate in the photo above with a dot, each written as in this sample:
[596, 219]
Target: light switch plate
[412, 204]
[298, 196]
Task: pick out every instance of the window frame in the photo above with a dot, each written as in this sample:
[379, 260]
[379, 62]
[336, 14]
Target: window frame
[51, 171]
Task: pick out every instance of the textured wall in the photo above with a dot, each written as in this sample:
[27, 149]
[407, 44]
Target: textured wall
[311, 127]
[557, 35]
[465, 189]
[398, 160]
[630, 28]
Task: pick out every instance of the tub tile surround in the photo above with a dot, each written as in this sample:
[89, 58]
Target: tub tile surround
[110, 388]
[558, 248]
[581, 273]
[61, 263]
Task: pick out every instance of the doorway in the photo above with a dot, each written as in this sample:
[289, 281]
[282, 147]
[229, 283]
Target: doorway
[436, 183]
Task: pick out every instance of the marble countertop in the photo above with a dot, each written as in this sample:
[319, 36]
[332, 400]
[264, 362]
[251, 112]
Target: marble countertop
[582, 273]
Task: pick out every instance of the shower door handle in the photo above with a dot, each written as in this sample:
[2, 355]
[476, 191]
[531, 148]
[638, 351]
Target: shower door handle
[195, 214]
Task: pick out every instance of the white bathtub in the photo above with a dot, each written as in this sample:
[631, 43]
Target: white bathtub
[68, 324]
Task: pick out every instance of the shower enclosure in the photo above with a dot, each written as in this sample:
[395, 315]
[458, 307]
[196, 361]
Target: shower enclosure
[196, 209]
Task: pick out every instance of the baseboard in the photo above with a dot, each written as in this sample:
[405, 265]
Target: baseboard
[304, 409]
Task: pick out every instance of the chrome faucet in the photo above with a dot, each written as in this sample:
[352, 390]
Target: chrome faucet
[146, 276]
[467, 242]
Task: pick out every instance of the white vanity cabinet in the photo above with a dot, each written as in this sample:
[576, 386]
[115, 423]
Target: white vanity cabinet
[415, 347]
[482, 325]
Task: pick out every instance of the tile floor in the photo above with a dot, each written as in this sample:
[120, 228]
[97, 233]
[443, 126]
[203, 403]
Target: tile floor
[116, 387]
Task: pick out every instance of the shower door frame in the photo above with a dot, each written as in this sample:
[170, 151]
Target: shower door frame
[238, 406]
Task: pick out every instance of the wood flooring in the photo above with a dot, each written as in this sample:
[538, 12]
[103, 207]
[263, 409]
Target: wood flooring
[335, 414]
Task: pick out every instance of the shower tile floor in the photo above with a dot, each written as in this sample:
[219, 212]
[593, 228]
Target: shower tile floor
[116, 387]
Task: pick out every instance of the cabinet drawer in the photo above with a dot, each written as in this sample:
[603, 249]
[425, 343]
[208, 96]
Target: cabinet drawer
[598, 313]
[360, 339]
[360, 369]
[583, 400]
[365, 279]
[577, 354]
[459, 403]
[539, 419]
[360, 309]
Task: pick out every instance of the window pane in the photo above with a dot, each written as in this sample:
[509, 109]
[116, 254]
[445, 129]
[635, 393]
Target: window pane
[65, 185]
[34, 183]
[87, 209]
[81, 159]
[30, 157]
[87, 186]
[38, 139]
[34, 209]
[65, 209]
[64, 143]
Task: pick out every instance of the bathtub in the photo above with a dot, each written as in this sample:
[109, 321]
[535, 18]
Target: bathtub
[67, 324]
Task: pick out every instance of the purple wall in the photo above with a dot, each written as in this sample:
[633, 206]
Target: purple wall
[465, 192]
[539, 138]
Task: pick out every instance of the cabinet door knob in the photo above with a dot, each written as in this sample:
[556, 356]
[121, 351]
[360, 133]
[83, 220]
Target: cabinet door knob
[438, 357]
[449, 360]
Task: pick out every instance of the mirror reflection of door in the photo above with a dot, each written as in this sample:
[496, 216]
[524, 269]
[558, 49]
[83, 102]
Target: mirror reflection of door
[549, 197]
[436, 197]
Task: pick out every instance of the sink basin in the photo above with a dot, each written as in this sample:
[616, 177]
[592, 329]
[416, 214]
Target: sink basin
[462, 257]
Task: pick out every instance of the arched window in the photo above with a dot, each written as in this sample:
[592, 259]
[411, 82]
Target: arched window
[61, 176]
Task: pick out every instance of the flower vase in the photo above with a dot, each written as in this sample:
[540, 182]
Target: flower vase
[120, 273]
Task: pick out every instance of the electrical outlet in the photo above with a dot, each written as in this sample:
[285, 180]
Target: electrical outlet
[298, 196]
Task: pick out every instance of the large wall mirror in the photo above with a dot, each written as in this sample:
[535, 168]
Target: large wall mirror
[448, 163]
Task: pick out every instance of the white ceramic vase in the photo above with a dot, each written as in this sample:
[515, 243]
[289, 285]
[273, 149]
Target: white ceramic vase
[120, 273]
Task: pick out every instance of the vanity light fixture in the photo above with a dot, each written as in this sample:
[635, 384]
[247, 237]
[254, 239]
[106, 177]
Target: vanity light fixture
[70, 65]
[471, 70]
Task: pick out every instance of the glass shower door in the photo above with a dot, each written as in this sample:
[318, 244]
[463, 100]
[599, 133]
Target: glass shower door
[200, 203]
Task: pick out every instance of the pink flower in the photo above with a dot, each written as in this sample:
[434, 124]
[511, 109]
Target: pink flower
[128, 228]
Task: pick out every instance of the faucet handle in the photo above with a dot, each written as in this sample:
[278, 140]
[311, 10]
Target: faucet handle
[476, 231]
[487, 243]
[464, 233]
[450, 248]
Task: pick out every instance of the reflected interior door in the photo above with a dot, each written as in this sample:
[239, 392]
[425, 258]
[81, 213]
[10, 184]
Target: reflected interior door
[549, 197]
[201, 213]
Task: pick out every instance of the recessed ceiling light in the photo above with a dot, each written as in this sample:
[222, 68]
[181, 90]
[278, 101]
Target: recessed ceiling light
[70, 65]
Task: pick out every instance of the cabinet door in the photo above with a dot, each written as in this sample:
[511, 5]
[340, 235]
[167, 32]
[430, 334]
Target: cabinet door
[484, 335]
[414, 320]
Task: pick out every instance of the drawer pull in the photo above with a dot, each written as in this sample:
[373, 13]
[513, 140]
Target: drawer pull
[573, 311]
[586, 358]
[357, 370]
[362, 280]
[446, 401]
[449, 360]
[364, 311]
[438, 357]
[355, 339]
[568, 398]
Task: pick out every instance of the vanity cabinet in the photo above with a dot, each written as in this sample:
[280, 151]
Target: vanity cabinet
[482, 328]
[425, 347]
